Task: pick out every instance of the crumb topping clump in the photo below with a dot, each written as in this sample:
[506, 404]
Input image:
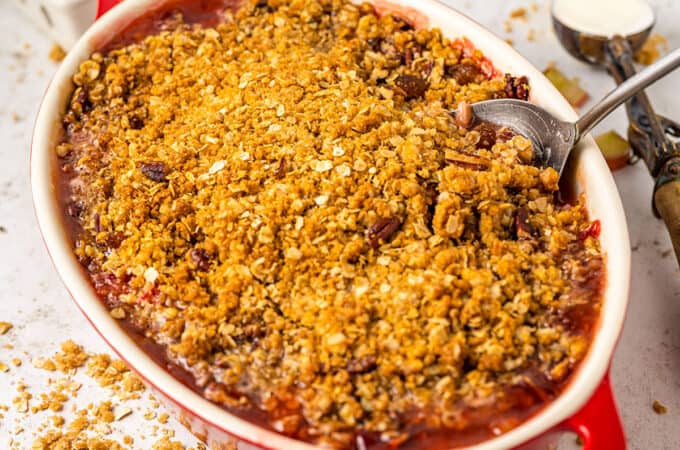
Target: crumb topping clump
[285, 203]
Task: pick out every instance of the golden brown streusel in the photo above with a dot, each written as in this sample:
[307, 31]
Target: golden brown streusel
[285, 203]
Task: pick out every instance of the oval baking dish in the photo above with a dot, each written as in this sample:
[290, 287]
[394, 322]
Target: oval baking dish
[585, 405]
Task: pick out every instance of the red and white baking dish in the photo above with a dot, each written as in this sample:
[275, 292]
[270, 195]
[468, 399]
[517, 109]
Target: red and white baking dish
[586, 406]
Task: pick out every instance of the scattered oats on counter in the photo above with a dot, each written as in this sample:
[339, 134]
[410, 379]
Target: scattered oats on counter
[90, 425]
[5, 327]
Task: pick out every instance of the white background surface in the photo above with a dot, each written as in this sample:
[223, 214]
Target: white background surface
[646, 365]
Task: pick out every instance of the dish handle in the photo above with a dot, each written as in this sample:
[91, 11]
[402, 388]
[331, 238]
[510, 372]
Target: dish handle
[598, 423]
[105, 5]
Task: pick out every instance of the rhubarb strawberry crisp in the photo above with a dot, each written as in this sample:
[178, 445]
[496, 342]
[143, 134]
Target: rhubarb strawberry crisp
[282, 202]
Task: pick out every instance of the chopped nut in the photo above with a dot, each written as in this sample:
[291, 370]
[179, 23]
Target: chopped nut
[382, 230]
[154, 170]
[516, 87]
[523, 228]
[412, 86]
[463, 114]
[201, 258]
[658, 407]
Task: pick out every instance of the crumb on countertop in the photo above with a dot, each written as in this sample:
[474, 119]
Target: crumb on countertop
[519, 13]
[652, 49]
[5, 326]
[658, 407]
[57, 53]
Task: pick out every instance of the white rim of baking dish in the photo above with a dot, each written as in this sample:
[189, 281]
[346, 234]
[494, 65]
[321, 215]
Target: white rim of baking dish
[602, 200]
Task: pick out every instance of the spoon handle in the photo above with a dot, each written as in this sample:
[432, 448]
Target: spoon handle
[626, 90]
[667, 202]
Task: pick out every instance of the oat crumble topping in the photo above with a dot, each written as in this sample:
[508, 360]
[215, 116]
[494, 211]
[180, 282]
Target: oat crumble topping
[285, 203]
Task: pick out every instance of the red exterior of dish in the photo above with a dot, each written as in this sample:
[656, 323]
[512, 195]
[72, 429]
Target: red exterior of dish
[597, 422]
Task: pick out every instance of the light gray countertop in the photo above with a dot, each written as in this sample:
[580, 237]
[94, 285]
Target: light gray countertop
[646, 365]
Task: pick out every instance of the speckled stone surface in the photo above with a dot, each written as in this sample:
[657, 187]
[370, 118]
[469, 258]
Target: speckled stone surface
[646, 366]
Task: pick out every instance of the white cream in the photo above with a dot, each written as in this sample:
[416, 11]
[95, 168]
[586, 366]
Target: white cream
[604, 17]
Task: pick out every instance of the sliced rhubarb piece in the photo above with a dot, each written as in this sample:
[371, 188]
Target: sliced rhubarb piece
[569, 88]
[614, 148]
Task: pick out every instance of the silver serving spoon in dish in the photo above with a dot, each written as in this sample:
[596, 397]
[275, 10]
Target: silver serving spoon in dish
[552, 138]
[607, 33]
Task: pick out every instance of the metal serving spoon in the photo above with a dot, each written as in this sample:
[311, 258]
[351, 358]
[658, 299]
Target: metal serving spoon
[654, 138]
[552, 138]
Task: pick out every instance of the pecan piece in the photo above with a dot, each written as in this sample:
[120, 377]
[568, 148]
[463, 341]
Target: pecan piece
[523, 228]
[516, 87]
[463, 115]
[136, 122]
[465, 73]
[153, 170]
[425, 67]
[409, 56]
[281, 168]
[362, 365]
[114, 240]
[487, 136]
[466, 161]
[83, 99]
[382, 230]
[97, 223]
[505, 134]
[201, 258]
[412, 86]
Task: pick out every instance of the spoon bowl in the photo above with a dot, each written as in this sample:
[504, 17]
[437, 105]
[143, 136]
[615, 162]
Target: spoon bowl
[553, 139]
